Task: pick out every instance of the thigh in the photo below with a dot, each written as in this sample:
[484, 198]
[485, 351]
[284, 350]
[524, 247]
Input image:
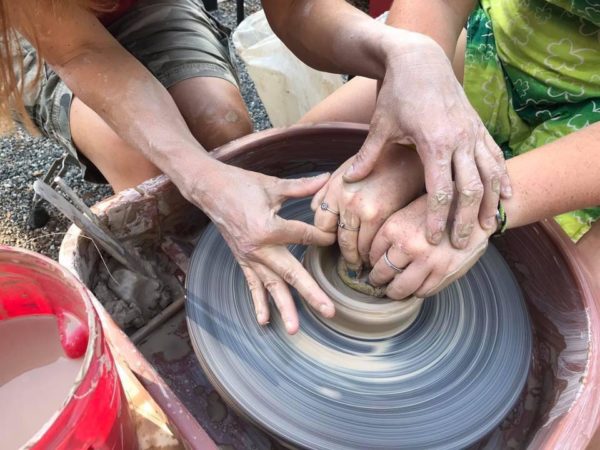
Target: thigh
[188, 52]
[175, 40]
[213, 110]
[355, 101]
[100, 149]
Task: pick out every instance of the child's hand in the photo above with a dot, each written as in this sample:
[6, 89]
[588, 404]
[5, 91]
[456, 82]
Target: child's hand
[361, 208]
[402, 256]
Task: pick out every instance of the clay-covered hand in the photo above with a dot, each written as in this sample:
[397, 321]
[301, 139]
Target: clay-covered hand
[357, 210]
[402, 256]
[420, 102]
[244, 205]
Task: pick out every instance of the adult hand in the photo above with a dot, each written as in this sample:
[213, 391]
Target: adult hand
[244, 206]
[402, 257]
[420, 102]
[362, 207]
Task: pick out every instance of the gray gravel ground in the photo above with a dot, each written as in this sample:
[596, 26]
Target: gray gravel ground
[23, 159]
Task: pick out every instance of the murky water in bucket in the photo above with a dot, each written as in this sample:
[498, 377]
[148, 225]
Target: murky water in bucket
[35, 377]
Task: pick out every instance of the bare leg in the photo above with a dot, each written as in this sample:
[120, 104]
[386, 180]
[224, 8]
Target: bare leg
[122, 165]
[355, 101]
[213, 109]
[589, 247]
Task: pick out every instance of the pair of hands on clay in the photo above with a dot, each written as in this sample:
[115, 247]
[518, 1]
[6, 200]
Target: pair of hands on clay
[390, 213]
[436, 237]
[421, 103]
[244, 205]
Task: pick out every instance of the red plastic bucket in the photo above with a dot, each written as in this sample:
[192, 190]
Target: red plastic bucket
[95, 414]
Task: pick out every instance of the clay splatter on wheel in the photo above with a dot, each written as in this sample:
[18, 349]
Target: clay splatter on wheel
[444, 382]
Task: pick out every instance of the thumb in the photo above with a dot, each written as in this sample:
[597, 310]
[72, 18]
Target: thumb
[365, 159]
[302, 187]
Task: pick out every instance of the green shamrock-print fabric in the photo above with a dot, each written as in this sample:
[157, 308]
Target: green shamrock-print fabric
[532, 72]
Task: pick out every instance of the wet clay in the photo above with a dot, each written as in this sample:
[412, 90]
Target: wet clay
[358, 281]
[361, 310]
[35, 377]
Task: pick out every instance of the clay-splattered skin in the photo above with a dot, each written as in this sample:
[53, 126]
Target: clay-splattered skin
[396, 180]
[537, 194]
[426, 268]
[420, 102]
[105, 77]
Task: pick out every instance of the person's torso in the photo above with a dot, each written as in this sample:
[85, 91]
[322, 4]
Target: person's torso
[555, 42]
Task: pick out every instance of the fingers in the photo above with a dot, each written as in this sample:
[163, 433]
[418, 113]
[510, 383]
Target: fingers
[408, 282]
[348, 239]
[383, 272]
[297, 232]
[366, 236]
[281, 296]
[491, 174]
[318, 198]
[435, 282]
[438, 181]
[326, 219]
[496, 153]
[290, 270]
[365, 159]
[470, 193]
[384, 239]
[259, 295]
[301, 187]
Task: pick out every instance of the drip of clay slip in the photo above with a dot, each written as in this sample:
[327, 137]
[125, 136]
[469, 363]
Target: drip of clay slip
[358, 314]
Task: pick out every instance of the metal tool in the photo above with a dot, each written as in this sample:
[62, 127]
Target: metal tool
[75, 209]
[38, 215]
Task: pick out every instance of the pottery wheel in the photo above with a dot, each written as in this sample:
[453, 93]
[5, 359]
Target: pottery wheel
[444, 382]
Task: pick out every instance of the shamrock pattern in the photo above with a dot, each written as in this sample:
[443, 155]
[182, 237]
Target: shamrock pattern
[532, 74]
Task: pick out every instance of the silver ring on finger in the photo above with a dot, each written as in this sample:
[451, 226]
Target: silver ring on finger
[345, 226]
[390, 264]
[325, 207]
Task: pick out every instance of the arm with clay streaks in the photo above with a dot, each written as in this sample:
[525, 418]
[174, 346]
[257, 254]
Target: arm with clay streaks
[419, 103]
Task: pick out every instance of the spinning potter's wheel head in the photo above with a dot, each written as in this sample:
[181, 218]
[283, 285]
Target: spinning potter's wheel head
[445, 381]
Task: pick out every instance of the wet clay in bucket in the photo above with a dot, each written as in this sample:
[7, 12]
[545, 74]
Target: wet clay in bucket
[35, 376]
[57, 371]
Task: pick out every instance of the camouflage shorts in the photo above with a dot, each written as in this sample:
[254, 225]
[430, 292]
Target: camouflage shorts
[174, 39]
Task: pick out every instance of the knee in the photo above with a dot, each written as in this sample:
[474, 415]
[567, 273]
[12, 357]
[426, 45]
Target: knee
[220, 122]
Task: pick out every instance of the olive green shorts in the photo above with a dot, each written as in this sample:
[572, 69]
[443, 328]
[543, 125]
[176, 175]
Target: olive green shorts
[174, 39]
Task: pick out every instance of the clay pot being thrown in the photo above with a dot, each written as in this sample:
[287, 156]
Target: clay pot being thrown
[359, 313]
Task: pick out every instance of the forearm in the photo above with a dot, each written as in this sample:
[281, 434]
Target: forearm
[109, 80]
[441, 20]
[555, 178]
[333, 36]
[135, 105]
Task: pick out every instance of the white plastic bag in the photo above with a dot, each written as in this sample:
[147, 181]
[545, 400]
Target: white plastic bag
[287, 87]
